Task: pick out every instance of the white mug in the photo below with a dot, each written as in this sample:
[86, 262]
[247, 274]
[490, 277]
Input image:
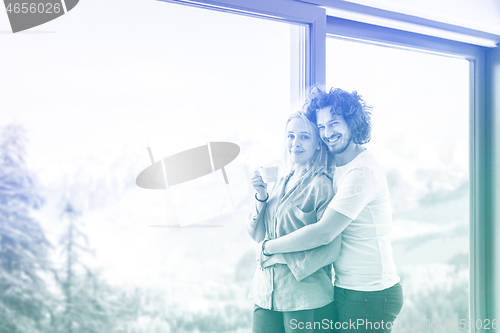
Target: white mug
[269, 174]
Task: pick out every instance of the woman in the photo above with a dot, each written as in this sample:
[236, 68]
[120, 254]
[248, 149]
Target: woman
[287, 293]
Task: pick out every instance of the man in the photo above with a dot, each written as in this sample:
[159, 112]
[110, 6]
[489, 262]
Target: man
[368, 296]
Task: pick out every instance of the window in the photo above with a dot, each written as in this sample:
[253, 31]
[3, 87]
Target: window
[171, 83]
[421, 138]
[481, 245]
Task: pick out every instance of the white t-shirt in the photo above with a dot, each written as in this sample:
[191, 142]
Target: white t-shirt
[361, 193]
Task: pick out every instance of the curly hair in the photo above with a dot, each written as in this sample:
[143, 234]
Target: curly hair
[350, 105]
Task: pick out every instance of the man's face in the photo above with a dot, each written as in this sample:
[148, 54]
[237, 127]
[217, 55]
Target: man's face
[333, 130]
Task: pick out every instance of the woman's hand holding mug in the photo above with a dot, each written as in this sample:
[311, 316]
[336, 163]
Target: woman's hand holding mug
[259, 186]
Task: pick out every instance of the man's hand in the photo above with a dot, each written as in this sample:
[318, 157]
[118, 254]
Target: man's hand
[259, 257]
[265, 261]
[277, 258]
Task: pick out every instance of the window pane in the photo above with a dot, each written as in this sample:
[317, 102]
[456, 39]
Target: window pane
[93, 100]
[420, 136]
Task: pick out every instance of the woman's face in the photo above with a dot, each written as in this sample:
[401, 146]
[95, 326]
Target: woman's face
[301, 141]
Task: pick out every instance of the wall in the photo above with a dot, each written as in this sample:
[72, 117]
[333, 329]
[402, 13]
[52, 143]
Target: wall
[482, 15]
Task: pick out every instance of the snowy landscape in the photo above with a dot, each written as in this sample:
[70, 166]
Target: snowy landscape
[105, 268]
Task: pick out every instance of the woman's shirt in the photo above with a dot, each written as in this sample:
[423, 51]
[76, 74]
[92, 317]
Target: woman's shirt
[278, 287]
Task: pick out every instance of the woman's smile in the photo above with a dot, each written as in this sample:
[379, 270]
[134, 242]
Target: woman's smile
[296, 152]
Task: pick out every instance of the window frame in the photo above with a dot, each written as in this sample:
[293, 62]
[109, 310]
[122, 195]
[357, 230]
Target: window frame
[481, 262]
[309, 67]
[308, 45]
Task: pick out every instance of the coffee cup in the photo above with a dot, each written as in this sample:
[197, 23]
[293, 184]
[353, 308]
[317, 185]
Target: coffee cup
[269, 174]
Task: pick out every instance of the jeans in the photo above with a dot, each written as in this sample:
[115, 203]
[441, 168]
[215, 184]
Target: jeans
[368, 311]
[269, 321]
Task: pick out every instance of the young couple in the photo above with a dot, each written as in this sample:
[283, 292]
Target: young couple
[332, 207]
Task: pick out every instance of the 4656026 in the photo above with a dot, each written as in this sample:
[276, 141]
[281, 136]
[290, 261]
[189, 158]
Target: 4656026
[26, 7]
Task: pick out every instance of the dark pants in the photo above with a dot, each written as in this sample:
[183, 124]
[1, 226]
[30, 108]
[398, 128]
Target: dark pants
[368, 311]
[269, 321]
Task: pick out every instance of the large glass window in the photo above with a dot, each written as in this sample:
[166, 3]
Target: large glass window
[91, 103]
[421, 137]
